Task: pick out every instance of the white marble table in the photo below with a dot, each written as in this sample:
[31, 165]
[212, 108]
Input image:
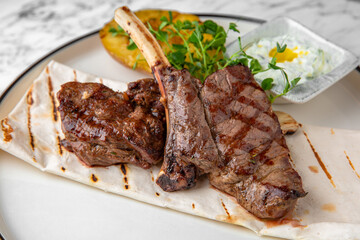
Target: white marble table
[31, 28]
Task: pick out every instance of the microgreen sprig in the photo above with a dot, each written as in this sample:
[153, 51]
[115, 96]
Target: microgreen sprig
[255, 67]
[203, 55]
[119, 31]
[197, 53]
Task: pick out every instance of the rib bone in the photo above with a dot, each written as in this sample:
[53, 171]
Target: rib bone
[144, 40]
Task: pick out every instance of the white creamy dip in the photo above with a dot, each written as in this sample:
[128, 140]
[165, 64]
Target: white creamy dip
[300, 59]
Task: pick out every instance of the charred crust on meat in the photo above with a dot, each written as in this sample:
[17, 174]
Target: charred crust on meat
[126, 9]
[294, 194]
[172, 78]
[177, 177]
[107, 127]
[170, 185]
[66, 145]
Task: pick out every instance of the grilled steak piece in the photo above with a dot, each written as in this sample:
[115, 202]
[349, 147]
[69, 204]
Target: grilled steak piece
[189, 142]
[257, 170]
[103, 127]
[145, 93]
[245, 155]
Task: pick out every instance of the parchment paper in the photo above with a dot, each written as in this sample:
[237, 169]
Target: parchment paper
[328, 161]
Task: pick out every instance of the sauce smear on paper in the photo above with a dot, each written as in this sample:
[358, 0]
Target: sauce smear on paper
[314, 169]
[351, 165]
[284, 221]
[322, 165]
[227, 212]
[329, 207]
[7, 130]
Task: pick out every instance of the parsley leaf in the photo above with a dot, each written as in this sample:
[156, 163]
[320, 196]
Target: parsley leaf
[233, 27]
[295, 81]
[131, 45]
[267, 83]
[280, 49]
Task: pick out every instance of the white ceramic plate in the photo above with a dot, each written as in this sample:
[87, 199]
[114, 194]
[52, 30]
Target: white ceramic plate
[37, 205]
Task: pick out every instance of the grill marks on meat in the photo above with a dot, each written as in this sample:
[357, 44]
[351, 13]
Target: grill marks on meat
[254, 165]
[103, 127]
[176, 175]
[189, 142]
[237, 142]
[257, 170]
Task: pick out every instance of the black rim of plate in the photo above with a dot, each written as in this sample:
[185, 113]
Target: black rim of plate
[67, 44]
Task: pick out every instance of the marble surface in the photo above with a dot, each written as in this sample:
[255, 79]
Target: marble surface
[31, 28]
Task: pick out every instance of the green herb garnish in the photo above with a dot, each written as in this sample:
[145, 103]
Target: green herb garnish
[203, 55]
[119, 31]
[198, 52]
[138, 59]
[255, 67]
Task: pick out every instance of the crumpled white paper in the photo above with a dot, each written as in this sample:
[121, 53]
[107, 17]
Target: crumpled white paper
[331, 209]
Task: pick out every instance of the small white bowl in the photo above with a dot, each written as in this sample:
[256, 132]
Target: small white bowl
[346, 61]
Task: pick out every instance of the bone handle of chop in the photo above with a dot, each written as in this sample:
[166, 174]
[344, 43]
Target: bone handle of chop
[144, 40]
[148, 46]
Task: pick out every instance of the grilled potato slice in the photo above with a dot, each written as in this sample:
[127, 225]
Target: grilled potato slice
[117, 45]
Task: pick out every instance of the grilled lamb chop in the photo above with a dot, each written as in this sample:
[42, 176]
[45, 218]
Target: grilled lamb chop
[103, 127]
[189, 140]
[225, 128]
